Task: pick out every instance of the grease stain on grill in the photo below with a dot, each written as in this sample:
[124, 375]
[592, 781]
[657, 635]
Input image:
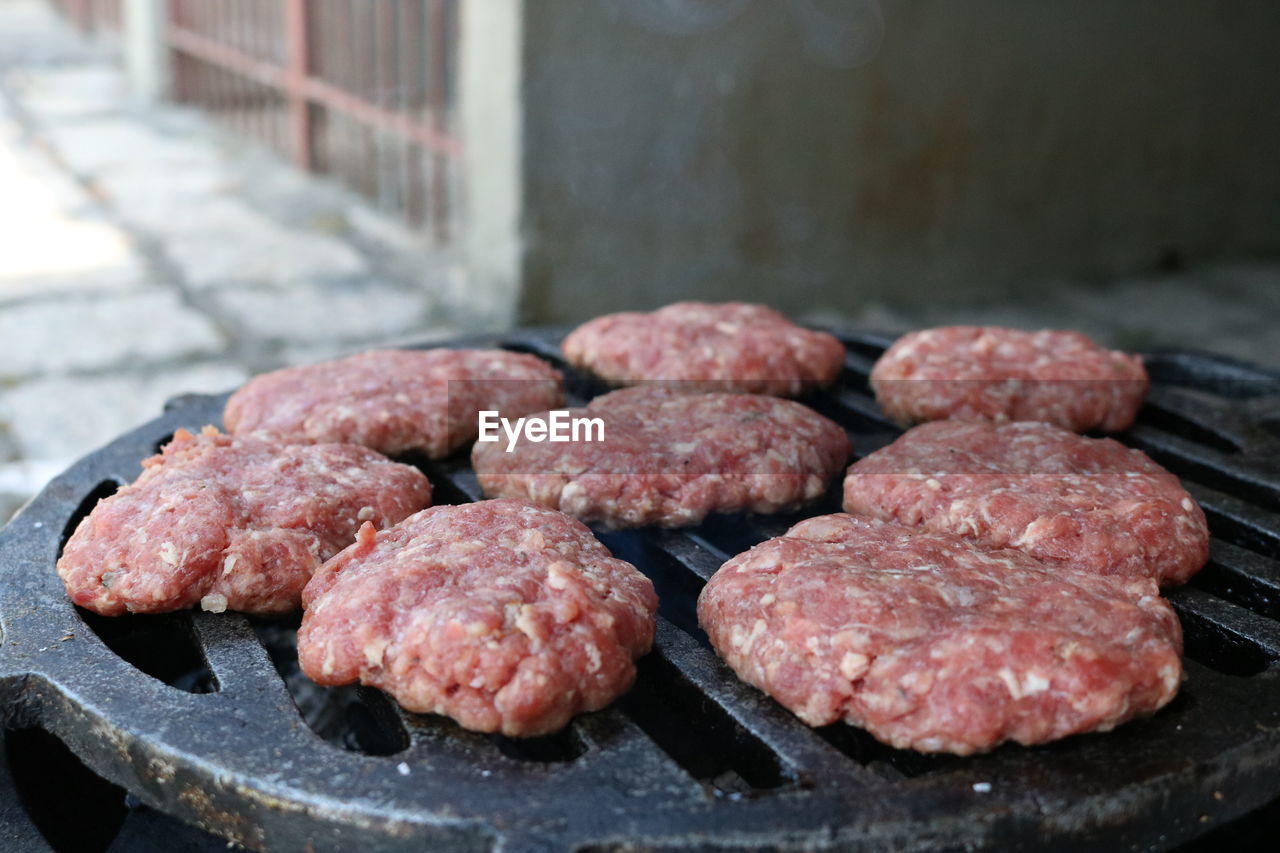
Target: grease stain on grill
[162, 645]
[698, 734]
[352, 717]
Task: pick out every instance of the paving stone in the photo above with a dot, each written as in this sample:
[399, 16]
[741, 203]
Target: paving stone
[63, 418]
[224, 241]
[319, 312]
[59, 335]
[93, 146]
[72, 91]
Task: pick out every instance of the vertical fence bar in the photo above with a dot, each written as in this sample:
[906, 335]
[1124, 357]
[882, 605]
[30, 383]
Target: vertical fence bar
[437, 58]
[296, 70]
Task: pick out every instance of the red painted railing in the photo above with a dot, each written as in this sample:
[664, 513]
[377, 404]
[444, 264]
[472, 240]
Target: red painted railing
[362, 90]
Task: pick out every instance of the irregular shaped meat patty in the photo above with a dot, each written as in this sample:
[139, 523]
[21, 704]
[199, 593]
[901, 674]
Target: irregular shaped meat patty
[394, 400]
[990, 373]
[933, 643]
[669, 459]
[233, 523]
[733, 346]
[507, 617]
[1063, 498]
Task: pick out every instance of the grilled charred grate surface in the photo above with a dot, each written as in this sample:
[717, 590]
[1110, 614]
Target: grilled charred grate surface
[690, 755]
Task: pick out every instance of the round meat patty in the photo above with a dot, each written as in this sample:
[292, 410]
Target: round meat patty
[733, 346]
[394, 400]
[507, 617]
[232, 523]
[933, 643]
[669, 459]
[1063, 498]
[990, 373]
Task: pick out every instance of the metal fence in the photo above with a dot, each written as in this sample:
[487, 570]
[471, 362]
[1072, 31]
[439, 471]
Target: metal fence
[363, 90]
[91, 16]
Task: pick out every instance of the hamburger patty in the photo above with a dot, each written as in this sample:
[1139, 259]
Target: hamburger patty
[1063, 498]
[233, 523]
[670, 459]
[733, 346]
[507, 617]
[933, 643]
[394, 401]
[996, 374]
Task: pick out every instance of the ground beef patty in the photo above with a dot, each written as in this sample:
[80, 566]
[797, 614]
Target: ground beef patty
[395, 400]
[733, 346]
[670, 458]
[233, 523]
[1063, 498]
[933, 643]
[990, 373]
[507, 617]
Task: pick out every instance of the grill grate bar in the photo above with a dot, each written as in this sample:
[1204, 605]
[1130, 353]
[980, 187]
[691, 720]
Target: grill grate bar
[1239, 626]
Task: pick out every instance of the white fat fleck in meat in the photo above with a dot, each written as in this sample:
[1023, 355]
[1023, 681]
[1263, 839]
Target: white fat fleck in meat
[169, 553]
[214, 602]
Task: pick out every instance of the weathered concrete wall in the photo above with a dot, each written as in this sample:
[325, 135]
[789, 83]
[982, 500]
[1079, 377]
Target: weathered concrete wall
[989, 148]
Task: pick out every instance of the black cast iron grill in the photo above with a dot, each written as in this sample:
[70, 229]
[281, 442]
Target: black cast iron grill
[205, 716]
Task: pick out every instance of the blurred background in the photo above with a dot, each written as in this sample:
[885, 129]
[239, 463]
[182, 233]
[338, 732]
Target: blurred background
[193, 191]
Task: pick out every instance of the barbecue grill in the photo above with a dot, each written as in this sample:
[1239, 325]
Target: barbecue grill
[206, 717]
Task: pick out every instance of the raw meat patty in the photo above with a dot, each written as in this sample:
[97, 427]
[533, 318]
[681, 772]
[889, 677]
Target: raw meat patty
[507, 617]
[233, 523]
[733, 346]
[395, 400]
[670, 458]
[1063, 498]
[933, 643]
[990, 373]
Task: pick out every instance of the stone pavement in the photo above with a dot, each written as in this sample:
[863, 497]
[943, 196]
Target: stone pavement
[147, 254]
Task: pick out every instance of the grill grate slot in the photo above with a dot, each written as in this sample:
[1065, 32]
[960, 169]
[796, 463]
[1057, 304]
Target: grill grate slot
[560, 747]
[103, 490]
[697, 733]
[354, 718]
[73, 808]
[162, 645]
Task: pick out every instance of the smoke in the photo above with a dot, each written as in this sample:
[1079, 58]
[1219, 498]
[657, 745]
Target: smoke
[838, 33]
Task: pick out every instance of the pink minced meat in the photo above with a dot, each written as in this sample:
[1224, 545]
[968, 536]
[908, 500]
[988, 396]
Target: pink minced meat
[1063, 498]
[507, 617]
[733, 346]
[232, 523]
[933, 643]
[395, 401]
[996, 374]
[670, 458]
